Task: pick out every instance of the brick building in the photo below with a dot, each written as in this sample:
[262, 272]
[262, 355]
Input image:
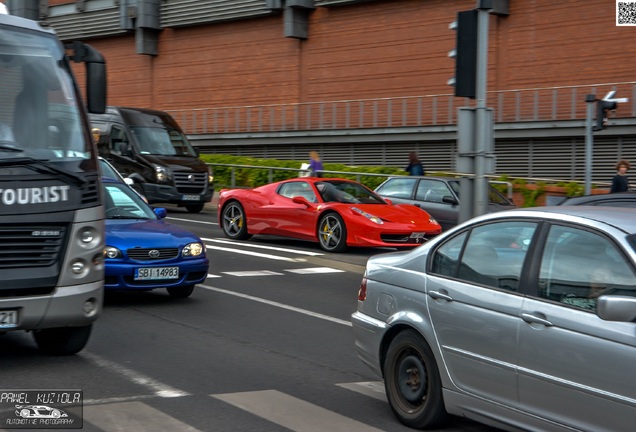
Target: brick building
[363, 81]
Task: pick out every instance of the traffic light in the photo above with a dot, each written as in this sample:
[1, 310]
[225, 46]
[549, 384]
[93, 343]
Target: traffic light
[465, 54]
[602, 107]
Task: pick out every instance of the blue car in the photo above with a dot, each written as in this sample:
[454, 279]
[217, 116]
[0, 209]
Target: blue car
[144, 252]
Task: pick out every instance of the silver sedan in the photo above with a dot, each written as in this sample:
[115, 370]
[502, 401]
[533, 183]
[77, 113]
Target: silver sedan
[521, 319]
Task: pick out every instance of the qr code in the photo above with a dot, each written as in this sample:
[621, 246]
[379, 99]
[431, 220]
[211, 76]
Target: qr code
[626, 13]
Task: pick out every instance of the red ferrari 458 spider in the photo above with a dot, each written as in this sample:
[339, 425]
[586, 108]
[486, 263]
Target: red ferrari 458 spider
[335, 212]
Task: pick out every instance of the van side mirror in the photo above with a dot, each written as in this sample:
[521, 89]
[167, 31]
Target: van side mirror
[126, 149]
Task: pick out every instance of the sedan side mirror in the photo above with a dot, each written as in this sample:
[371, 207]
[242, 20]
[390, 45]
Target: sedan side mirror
[616, 308]
[160, 212]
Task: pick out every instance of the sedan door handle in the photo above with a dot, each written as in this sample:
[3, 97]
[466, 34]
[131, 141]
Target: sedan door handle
[439, 296]
[533, 319]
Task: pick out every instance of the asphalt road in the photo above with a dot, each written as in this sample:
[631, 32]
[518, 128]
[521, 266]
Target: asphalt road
[264, 345]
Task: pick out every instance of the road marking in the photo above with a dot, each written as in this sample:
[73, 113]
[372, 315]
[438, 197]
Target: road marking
[374, 389]
[250, 273]
[292, 413]
[133, 416]
[252, 253]
[279, 305]
[214, 276]
[258, 246]
[192, 221]
[160, 389]
[314, 270]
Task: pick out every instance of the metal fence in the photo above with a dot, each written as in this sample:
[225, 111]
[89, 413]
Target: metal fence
[536, 104]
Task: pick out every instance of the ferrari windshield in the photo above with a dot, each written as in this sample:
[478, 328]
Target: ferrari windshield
[347, 192]
[39, 116]
[162, 141]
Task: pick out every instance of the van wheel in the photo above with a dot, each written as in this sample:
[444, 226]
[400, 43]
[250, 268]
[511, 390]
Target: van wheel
[63, 340]
[194, 208]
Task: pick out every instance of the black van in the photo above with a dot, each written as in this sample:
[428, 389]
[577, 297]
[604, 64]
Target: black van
[149, 147]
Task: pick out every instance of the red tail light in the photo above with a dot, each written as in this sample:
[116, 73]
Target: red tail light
[362, 292]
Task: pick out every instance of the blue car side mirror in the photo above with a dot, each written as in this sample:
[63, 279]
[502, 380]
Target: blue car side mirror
[160, 212]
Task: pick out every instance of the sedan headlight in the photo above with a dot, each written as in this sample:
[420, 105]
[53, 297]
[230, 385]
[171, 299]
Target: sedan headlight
[193, 250]
[368, 215]
[112, 252]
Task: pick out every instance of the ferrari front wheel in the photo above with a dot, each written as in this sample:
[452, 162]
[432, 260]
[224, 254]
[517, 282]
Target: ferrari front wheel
[234, 221]
[332, 233]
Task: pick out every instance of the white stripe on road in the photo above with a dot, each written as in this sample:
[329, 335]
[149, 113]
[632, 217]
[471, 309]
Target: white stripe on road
[251, 273]
[133, 416]
[293, 413]
[276, 304]
[259, 246]
[193, 221]
[314, 270]
[160, 389]
[374, 389]
[252, 253]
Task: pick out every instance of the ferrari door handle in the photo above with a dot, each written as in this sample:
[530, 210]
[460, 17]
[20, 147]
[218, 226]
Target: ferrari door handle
[439, 296]
[533, 319]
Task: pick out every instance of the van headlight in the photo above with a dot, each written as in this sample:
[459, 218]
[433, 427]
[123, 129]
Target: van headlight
[162, 174]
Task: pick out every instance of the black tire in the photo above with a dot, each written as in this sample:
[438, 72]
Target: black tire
[194, 208]
[332, 233]
[63, 340]
[234, 221]
[180, 292]
[412, 383]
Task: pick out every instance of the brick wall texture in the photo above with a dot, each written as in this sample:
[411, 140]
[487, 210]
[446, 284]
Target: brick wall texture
[378, 49]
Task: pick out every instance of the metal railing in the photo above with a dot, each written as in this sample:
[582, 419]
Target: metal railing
[533, 104]
[358, 175]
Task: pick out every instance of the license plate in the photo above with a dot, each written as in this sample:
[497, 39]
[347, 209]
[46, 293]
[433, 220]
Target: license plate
[152, 273]
[8, 318]
[418, 235]
[191, 198]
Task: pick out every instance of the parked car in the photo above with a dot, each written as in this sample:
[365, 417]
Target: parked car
[334, 212]
[439, 196]
[144, 252]
[522, 319]
[620, 199]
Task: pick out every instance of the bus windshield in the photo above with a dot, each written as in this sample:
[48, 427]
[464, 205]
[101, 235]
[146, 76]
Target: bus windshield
[39, 115]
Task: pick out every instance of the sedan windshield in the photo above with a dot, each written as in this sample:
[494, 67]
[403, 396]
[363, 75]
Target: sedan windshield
[123, 203]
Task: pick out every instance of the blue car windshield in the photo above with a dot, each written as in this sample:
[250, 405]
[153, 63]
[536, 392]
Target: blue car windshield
[123, 203]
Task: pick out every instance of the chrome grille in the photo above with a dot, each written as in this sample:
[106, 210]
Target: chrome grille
[191, 183]
[31, 246]
[144, 254]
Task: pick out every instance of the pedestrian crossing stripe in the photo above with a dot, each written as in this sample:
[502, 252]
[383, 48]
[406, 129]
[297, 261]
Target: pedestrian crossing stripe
[252, 273]
[133, 416]
[293, 413]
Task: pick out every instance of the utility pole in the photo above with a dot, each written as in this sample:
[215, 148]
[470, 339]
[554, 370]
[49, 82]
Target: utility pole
[483, 123]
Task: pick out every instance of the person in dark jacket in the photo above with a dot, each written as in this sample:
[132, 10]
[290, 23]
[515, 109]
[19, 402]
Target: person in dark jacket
[415, 167]
[620, 182]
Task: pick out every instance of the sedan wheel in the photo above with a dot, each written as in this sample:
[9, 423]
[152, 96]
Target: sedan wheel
[332, 233]
[234, 222]
[412, 382]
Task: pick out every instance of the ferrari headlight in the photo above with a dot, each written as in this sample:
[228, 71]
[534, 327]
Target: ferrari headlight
[112, 252]
[367, 215]
[193, 250]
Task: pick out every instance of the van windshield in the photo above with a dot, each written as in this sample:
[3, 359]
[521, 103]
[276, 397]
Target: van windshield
[162, 141]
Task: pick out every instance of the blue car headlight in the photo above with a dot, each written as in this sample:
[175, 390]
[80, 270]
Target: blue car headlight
[193, 250]
[368, 215]
[112, 252]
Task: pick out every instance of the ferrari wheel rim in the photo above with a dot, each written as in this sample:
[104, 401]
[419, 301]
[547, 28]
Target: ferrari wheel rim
[330, 232]
[233, 220]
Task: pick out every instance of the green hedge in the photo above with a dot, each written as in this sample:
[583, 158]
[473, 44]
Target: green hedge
[253, 177]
